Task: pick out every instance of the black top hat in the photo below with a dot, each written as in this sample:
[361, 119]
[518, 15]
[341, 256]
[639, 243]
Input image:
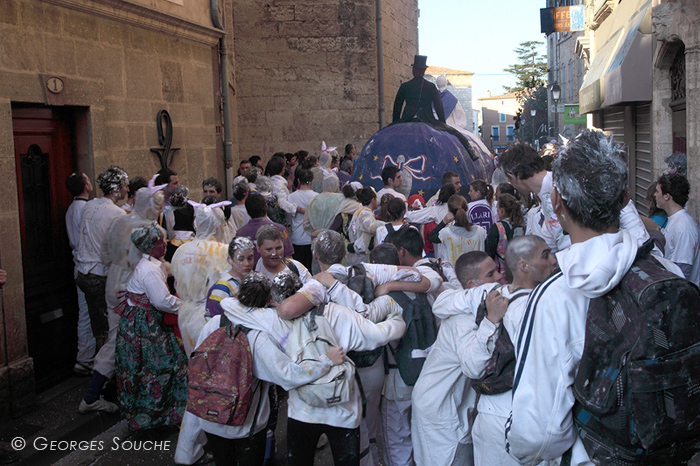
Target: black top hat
[420, 61]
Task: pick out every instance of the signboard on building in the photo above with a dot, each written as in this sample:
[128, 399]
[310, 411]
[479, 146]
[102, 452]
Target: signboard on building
[562, 19]
[572, 116]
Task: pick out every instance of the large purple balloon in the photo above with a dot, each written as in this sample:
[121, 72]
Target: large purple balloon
[423, 154]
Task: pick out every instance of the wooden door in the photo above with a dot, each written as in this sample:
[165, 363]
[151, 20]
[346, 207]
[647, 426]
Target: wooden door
[43, 160]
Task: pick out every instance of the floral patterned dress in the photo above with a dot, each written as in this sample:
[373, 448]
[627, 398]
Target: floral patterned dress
[151, 368]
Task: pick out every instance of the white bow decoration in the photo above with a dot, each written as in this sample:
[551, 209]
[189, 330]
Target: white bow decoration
[326, 149]
[211, 206]
[152, 188]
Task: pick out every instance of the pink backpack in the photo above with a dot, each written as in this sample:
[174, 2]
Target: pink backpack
[220, 376]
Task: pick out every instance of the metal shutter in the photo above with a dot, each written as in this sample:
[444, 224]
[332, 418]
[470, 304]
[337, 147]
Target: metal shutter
[641, 166]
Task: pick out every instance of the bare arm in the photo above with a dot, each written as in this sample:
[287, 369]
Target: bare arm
[416, 287]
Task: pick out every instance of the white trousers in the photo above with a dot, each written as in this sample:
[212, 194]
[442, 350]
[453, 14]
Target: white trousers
[372, 379]
[489, 435]
[104, 360]
[396, 430]
[86, 341]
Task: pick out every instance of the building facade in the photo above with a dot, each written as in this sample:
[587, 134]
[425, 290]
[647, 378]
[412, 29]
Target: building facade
[460, 84]
[497, 124]
[83, 83]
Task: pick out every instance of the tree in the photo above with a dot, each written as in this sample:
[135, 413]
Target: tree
[530, 69]
[530, 99]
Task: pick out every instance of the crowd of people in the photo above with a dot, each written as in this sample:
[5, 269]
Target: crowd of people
[453, 327]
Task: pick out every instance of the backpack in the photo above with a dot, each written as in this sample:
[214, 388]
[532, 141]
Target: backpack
[637, 388]
[502, 244]
[358, 281]
[500, 372]
[310, 337]
[421, 332]
[275, 212]
[220, 376]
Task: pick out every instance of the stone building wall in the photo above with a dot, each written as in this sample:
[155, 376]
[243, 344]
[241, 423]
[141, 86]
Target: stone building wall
[307, 72]
[120, 67]
[676, 23]
[400, 34]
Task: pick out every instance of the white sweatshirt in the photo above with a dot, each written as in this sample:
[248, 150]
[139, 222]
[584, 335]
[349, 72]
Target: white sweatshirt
[442, 396]
[354, 333]
[550, 344]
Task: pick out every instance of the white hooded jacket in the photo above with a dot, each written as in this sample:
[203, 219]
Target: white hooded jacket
[550, 343]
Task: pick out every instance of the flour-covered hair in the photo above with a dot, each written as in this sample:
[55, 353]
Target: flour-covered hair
[590, 174]
[112, 179]
[329, 247]
[522, 248]
[284, 285]
[255, 290]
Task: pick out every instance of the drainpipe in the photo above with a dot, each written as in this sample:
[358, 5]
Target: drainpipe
[380, 64]
[223, 68]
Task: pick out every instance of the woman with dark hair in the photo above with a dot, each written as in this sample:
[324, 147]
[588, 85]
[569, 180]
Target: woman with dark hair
[482, 209]
[455, 234]
[363, 227]
[510, 225]
[151, 368]
[395, 211]
[430, 216]
[383, 206]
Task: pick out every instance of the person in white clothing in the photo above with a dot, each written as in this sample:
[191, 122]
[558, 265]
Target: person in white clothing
[441, 275]
[196, 266]
[363, 227]
[443, 400]
[301, 197]
[121, 256]
[395, 211]
[482, 206]
[239, 215]
[354, 332]
[78, 184]
[270, 241]
[391, 177]
[530, 260]
[275, 170]
[454, 112]
[245, 444]
[681, 232]
[456, 233]
[98, 215]
[590, 179]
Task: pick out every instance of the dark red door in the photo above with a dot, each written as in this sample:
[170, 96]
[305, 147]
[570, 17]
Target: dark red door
[43, 159]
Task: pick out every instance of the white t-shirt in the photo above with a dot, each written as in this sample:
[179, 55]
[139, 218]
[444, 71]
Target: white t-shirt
[682, 237]
[300, 197]
[386, 190]
[382, 232]
[457, 240]
[304, 274]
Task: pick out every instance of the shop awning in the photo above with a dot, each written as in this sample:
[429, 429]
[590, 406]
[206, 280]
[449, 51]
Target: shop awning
[625, 57]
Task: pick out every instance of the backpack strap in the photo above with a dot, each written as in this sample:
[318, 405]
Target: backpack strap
[389, 232]
[481, 311]
[291, 266]
[436, 265]
[405, 303]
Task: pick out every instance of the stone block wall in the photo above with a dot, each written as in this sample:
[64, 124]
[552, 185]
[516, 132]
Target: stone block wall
[400, 34]
[120, 67]
[307, 72]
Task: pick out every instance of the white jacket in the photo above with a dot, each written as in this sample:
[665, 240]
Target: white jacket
[550, 343]
[354, 332]
[442, 397]
[279, 189]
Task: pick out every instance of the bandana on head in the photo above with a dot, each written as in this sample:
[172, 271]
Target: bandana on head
[146, 238]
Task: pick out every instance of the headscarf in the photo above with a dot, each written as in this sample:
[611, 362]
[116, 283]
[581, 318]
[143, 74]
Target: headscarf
[145, 238]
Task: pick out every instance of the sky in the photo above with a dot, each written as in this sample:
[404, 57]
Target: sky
[478, 36]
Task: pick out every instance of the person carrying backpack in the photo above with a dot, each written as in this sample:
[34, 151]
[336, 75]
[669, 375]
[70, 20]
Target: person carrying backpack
[510, 225]
[603, 338]
[234, 360]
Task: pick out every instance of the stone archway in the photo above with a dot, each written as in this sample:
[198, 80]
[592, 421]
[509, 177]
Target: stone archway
[676, 88]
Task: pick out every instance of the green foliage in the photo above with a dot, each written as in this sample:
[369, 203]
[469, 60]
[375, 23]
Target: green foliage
[532, 99]
[531, 68]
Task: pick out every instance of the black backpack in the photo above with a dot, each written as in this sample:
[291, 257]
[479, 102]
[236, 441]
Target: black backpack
[637, 387]
[358, 281]
[500, 372]
[421, 332]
